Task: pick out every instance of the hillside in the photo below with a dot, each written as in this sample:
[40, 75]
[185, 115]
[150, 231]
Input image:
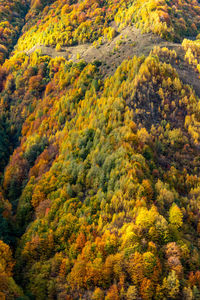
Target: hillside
[100, 150]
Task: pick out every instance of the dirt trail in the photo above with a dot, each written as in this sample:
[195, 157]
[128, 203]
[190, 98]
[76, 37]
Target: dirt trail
[126, 44]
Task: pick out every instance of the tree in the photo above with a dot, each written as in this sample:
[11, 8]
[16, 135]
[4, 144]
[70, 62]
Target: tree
[132, 293]
[171, 285]
[147, 289]
[112, 294]
[175, 216]
[98, 294]
[135, 268]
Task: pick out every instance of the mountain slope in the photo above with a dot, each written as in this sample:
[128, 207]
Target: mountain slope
[12, 13]
[99, 198]
[65, 24]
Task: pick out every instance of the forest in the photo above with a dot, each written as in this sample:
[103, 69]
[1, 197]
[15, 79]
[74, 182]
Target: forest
[99, 173]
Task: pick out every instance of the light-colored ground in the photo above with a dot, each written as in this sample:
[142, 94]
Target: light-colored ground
[126, 44]
[129, 42]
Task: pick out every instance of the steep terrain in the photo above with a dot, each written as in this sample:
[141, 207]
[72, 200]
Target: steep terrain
[129, 42]
[100, 150]
[12, 13]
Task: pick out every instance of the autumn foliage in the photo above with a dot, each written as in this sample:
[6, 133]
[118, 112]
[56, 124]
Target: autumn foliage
[99, 198]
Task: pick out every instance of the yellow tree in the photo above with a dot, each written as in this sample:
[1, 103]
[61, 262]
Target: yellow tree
[175, 216]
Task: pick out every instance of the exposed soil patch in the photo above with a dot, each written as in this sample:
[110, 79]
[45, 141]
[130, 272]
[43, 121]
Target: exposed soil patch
[188, 76]
[126, 44]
